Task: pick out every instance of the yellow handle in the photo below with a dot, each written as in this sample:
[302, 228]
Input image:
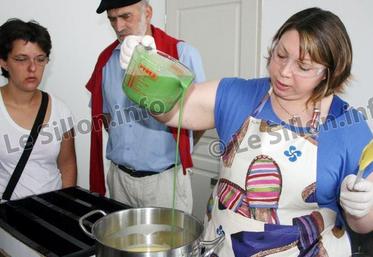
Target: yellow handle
[367, 156]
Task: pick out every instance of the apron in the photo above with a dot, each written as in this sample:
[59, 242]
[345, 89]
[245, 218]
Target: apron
[265, 202]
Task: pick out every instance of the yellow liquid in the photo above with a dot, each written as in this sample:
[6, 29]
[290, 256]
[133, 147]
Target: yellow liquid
[147, 248]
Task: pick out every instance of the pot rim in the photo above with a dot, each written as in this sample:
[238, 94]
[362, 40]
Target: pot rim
[184, 247]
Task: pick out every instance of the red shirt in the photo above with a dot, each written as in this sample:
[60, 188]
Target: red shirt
[164, 43]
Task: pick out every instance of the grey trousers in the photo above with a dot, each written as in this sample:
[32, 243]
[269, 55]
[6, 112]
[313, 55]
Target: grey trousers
[151, 191]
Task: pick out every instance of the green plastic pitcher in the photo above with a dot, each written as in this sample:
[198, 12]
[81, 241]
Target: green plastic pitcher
[155, 80]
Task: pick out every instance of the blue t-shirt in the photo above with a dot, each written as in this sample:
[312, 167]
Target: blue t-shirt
[341, 139]
[136, 139]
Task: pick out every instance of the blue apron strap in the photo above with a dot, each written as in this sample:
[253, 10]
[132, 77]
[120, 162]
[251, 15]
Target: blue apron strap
[262, 102]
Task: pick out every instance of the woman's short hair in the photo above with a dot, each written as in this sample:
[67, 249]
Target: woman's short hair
[324, 37]
[15, 29]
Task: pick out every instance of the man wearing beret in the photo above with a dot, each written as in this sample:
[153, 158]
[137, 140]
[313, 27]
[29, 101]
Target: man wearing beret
[141, 150]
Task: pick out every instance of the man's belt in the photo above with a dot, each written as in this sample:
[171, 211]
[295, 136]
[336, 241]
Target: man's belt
[140, 173]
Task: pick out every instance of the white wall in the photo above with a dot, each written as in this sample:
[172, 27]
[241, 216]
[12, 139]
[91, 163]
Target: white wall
[358, 19]
[78, 36]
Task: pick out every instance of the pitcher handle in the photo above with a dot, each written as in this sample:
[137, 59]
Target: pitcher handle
[85, 216]
[210, 246]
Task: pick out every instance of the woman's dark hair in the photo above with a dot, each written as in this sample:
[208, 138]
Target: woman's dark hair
[324, 37]
[15, 29]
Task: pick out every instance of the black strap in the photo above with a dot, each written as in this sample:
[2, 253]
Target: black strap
[28, 147]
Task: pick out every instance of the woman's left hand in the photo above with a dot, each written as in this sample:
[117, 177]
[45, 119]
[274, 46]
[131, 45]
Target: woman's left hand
[356, 200]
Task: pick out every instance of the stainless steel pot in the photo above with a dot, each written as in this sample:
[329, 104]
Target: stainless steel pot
[149, 232]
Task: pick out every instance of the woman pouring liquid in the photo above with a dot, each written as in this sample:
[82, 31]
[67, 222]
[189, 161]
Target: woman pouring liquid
[290, 147]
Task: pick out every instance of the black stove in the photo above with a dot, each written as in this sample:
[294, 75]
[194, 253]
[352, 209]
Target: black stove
[49, 223]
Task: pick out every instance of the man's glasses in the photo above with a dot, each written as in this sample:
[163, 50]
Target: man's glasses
[24, 60]
[297, 67]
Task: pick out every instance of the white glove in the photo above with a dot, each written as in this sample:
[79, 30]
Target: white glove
[128, 46]
[358, 200]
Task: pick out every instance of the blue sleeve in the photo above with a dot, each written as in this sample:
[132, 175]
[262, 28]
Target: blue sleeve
[236, 99]
[356, 136]
[341, 141]
[357, 140]
[190, 57]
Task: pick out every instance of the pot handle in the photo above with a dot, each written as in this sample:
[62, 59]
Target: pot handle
[210, 246]
[85, 216]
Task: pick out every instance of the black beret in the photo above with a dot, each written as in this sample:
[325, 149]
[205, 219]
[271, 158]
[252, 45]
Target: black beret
[111, 4]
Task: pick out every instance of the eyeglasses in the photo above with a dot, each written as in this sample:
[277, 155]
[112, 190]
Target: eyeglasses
[24, 60]
[297, 67]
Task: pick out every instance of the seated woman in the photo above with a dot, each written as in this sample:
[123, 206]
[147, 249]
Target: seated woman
[51, 165]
